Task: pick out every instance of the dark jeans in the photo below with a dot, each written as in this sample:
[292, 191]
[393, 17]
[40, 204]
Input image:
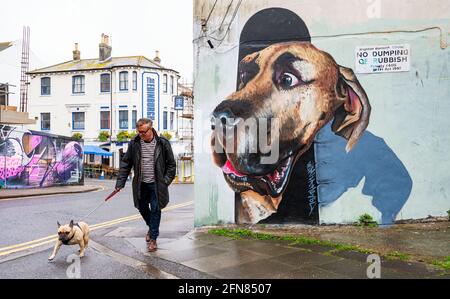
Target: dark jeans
[149, 208]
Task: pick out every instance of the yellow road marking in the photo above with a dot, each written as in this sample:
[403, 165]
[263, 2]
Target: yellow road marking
[23, 244]
[46, 240]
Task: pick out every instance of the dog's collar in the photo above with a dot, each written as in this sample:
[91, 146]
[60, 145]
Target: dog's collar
[73, 235]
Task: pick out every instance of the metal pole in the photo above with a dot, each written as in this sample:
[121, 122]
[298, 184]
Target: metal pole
[110, 115]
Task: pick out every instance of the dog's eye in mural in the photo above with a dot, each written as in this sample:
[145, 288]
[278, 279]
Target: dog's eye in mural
[291, 72]
[288, 81]
[285, 76]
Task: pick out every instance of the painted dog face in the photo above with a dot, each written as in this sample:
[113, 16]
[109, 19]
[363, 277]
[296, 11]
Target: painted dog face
[298, 87]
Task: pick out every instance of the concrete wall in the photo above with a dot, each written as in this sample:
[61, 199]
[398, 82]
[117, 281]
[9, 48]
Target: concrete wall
[399, 169]
[30, 159]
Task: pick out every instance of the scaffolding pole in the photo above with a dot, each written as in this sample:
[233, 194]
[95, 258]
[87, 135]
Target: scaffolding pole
[25, 64]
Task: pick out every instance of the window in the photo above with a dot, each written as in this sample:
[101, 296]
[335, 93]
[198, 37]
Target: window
[123, 81]
[172, 114]
[134, 80]
[78, 84]
[165, 120]
[45, 86]
[4, 94]
[104, 120]
[165, 83]
[91, 158]
[78, 120]
[133, 119]
[105, 83]
[123, 119]
[45, 121]
[171, 84]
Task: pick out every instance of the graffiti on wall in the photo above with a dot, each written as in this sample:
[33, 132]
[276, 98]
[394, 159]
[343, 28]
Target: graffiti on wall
[292, 138]
[291, 90]
[34, 159]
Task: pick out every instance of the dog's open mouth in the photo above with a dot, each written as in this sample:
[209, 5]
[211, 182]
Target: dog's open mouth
[272, 184]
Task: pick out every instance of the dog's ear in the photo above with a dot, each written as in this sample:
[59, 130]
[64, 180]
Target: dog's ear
[352, 117]
[59, 225]
[71, 223]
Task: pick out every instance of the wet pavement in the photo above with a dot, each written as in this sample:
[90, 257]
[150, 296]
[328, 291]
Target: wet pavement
[120, 250]
[226, 258]
[420, 241]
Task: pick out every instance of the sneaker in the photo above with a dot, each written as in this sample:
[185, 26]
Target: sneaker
[148, 237]
[152, 246]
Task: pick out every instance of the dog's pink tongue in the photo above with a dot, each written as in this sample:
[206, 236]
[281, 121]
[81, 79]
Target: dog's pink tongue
[228, 168]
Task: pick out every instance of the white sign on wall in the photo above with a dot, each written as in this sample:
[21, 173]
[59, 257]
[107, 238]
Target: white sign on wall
[383, 59]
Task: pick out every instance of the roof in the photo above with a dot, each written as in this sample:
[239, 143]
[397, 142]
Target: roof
[95, 150]
[95, 64]
[5, 45]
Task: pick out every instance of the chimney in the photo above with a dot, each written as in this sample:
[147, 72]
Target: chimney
[104, 48]
[157, 59]
[76, 53]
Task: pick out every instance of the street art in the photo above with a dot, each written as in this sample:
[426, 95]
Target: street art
[33, 159]
[285, 78]
[322, 148]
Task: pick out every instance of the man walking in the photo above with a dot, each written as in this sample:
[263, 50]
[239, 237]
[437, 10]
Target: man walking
[154, 166]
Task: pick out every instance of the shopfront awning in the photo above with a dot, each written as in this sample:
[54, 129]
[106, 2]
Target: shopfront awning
[95, 150]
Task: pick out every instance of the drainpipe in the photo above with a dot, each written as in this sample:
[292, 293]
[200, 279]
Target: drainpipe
[111, 114]
[159, 93]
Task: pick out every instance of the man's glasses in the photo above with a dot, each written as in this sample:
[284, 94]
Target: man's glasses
[143, 133]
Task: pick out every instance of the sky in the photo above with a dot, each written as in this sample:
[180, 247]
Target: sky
[135, 27]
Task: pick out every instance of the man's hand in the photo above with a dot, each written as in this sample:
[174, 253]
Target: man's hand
[118, 189]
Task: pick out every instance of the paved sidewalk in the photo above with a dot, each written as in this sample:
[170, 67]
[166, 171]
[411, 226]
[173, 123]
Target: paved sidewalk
[223, 257]
[424, 241]
[19, 193]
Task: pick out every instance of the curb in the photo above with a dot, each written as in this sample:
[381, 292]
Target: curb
[91, 189]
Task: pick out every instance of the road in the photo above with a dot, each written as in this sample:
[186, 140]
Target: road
[29, 229]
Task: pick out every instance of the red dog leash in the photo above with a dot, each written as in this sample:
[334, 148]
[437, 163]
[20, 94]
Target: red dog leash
[103, 202]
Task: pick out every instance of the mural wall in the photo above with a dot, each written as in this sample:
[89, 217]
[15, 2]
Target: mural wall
[358, 111]
[31, 159]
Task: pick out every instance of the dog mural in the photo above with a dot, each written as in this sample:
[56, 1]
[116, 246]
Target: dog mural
[303, 89]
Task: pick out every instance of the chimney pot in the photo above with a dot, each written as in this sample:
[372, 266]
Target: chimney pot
[76, 53]
[157, 59]
[104, 48]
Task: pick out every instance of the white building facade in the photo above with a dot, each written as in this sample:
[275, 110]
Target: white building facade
[80, 96]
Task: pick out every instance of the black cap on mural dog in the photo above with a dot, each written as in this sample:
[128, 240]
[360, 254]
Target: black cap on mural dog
[271, 26]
